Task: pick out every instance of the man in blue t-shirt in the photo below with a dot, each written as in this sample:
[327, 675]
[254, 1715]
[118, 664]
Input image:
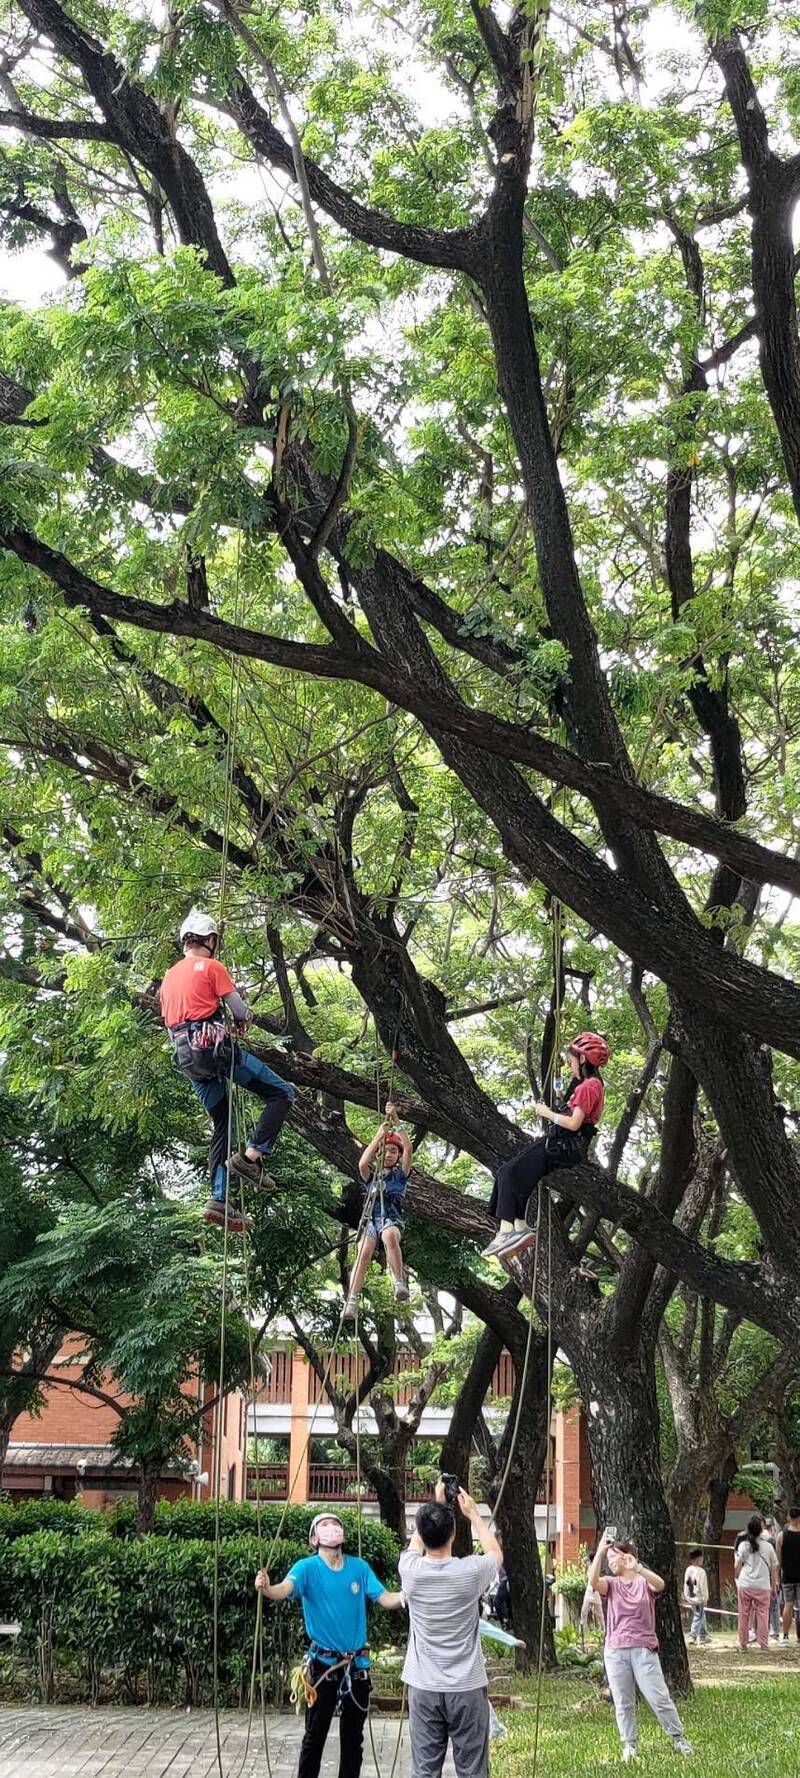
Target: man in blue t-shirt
[334, 1589]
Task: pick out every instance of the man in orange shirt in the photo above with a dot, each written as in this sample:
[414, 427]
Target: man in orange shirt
[192, 997]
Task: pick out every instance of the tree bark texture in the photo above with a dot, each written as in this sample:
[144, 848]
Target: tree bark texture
[618, 1392]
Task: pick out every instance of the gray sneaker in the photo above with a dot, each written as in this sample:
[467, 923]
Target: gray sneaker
[683, 1746]
[501, 1245]
[350, 1310]
[400, 1289]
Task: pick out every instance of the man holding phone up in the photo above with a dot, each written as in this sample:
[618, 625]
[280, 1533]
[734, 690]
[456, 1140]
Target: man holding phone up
[444, 1669]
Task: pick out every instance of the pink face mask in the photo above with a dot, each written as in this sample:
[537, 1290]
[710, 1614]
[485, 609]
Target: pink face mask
[330, 1535]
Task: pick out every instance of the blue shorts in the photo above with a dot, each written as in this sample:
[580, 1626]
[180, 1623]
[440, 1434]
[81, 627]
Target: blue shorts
[391, 1218]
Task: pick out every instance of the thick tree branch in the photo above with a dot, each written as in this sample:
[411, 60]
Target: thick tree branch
[137, 124]
[452, 249]
[56, 128]
[682, 954]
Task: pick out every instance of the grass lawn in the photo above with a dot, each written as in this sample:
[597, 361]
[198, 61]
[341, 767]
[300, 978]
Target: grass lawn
[741, 1721]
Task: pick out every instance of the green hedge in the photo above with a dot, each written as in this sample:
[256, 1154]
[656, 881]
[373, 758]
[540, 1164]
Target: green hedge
[183, 1519]
[105, 1613]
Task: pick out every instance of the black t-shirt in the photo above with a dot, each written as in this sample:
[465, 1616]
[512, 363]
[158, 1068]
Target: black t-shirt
[790, 1558]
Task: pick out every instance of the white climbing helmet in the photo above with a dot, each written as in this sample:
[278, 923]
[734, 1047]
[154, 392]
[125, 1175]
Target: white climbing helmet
[200, 925]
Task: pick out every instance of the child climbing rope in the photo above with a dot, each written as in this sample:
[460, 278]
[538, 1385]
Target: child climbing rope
[193, 995]
[574, 1124]
[384, 1168]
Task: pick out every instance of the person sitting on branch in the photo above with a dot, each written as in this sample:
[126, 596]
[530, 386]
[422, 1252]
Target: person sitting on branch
[334, 1589]
[384, 1168]
[574, 1123]
[194, 996]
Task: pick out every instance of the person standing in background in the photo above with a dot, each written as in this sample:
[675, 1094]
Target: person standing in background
[756, 1570]
[695, 1593]
[788, 1554]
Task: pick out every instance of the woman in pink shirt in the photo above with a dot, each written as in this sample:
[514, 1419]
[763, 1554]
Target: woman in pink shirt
[631, 1651]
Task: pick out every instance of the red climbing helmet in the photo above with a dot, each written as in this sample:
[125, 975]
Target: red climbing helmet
[590, 1048]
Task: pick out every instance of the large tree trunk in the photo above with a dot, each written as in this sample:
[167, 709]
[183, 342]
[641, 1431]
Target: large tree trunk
[618, 1390]
[457, 1446]
[388, 1482]
[685, 1489]
[146, 1497]
[787, 1457]
[7, 1418]
[516, 1513]
[719, 1487]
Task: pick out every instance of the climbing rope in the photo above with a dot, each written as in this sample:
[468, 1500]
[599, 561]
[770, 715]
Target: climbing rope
[548, 1489]
[359, 1518]
[558, 932]
[546, 1085]
[234, 697]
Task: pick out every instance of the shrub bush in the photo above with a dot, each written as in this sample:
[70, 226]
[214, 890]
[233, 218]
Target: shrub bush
[181, 1519]
[132, 1617]
[41, 1515]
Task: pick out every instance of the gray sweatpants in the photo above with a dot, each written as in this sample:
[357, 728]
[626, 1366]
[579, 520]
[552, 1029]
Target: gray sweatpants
[628, 1668]
[436, 1717]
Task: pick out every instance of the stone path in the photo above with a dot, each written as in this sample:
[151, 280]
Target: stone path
[75, 1742]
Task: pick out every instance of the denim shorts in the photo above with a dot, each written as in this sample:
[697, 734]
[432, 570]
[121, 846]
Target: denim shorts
[390, 1219]
[791, 1593]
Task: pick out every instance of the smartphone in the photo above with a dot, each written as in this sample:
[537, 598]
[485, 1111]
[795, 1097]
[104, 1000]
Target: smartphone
[451, 1488]
[611, 1534]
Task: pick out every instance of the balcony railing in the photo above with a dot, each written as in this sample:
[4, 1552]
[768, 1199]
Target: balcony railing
[350, 1369]
[270, 1480]
[331, 1482]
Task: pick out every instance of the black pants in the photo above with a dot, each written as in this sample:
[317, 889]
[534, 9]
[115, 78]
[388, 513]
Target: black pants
[320, 1717]
[517, 1179]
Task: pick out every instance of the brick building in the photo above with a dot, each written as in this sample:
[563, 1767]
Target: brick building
[66, 1450]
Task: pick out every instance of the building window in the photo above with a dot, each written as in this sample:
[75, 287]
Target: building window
[232, 1482]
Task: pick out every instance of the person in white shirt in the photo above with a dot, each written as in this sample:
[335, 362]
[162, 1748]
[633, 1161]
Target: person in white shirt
[695, 1593]
[756, 1570]
[444, 1669]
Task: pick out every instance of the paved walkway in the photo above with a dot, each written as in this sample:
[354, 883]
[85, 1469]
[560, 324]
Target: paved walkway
[75, 1742]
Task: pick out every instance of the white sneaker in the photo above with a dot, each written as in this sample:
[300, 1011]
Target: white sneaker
[350, 1309]
[629, 1752]
[503, 1239]
[400, 1289]
[784, 1642]
[683, 1746]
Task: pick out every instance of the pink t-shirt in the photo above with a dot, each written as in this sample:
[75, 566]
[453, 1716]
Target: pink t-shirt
[590, 1095]
[630, 1613]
